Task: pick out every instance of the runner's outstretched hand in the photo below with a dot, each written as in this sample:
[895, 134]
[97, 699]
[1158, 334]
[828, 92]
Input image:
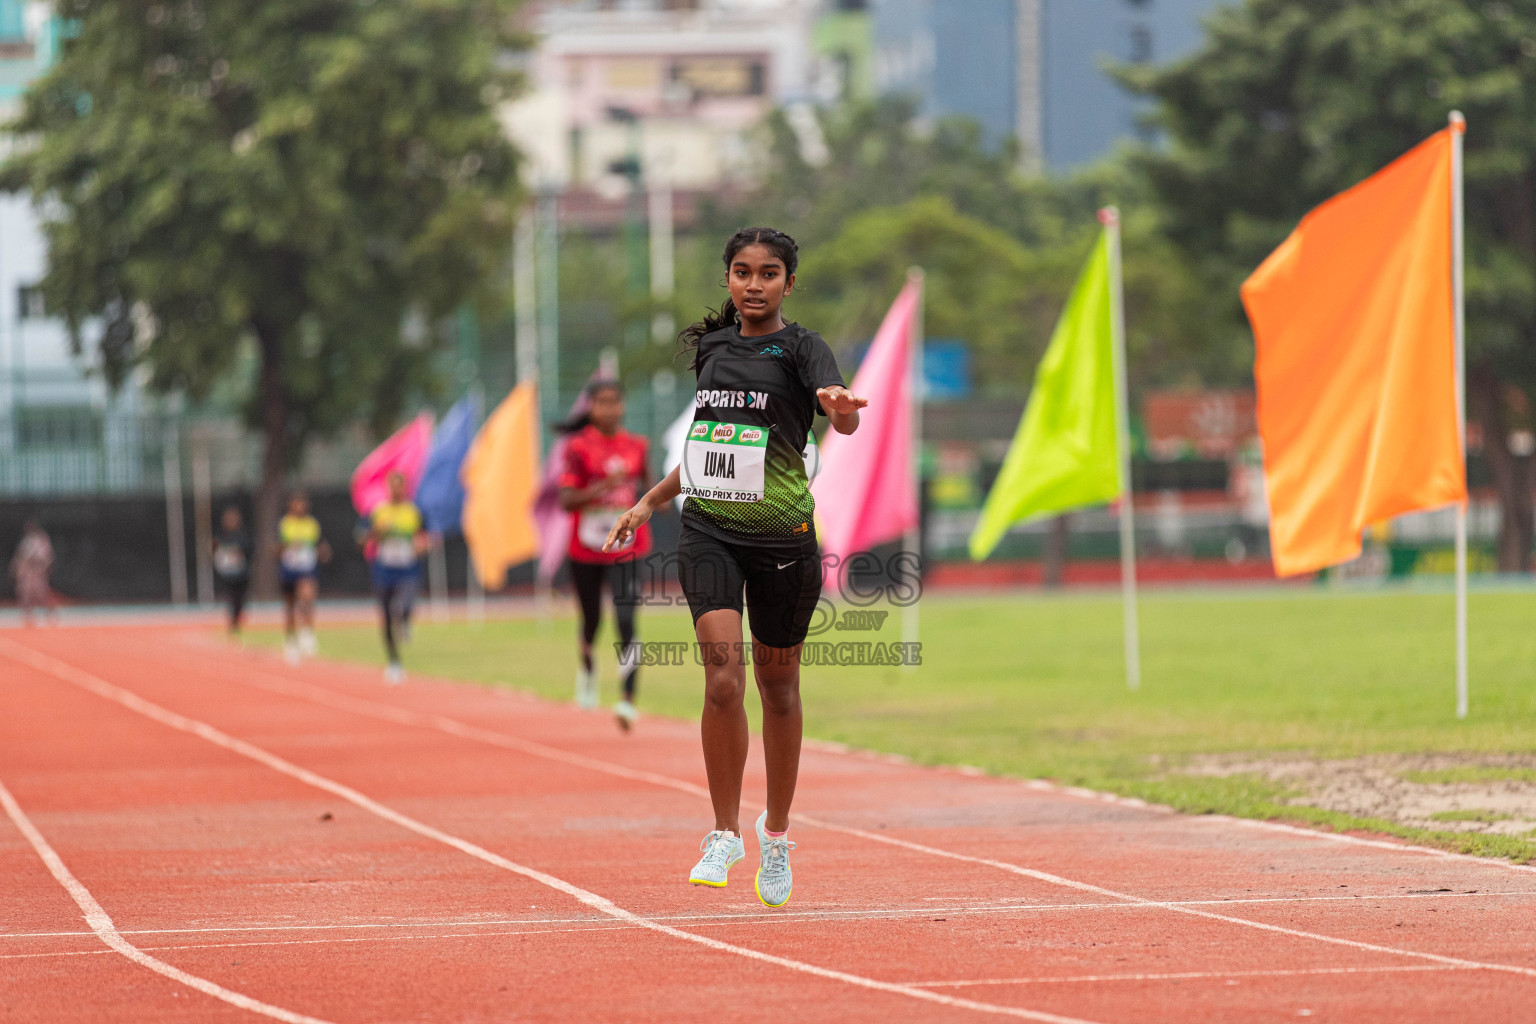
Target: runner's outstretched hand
[628, 523]
[838, 399]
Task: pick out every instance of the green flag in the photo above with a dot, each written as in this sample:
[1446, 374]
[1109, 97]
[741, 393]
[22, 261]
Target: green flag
[1064, 455]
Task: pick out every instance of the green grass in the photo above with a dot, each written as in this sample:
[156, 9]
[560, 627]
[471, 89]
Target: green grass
[1471, 773]
[1033, 686]
[1472, 814]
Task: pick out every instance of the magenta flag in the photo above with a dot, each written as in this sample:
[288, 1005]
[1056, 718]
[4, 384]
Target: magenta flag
[554, 522]
[405, 451]
[866, 492]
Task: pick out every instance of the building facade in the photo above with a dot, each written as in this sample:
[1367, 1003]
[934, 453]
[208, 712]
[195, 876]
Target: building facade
[1031, 70]
[676, 84]
[973, 59]
[62, 430]
[1084, 112]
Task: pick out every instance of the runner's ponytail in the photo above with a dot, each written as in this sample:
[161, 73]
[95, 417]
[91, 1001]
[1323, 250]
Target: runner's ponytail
[777, 242]
[714, 319]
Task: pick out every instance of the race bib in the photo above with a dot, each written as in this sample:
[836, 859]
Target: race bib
[593, 526]
[300, 558]
[397, 553]
[228, 560]
[725, 461]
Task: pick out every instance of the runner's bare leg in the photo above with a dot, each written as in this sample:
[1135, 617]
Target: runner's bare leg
[777, 670]
[724, 722]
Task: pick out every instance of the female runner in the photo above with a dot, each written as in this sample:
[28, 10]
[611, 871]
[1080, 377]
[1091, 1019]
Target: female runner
[30, 567]
[232, 550]
[395, 529]
[747, 526]
[300, 550]
[605, 470]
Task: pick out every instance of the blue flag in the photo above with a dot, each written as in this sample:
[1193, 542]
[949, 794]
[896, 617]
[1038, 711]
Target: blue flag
[440, 495]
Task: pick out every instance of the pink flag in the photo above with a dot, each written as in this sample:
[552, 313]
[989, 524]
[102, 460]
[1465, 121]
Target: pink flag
[866, 492]
[554, 522]
[405, 452]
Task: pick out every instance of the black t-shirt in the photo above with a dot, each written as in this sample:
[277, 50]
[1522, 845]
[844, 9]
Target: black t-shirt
[232, 553]
[753, 384]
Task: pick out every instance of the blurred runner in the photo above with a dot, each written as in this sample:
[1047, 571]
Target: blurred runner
[396, 534]
[300, 550]
[30, 567]
[232, 553]
[605, 473]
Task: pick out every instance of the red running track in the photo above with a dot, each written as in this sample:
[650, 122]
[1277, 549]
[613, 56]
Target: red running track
[192, 833]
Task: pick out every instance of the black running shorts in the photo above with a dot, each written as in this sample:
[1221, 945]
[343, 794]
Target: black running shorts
[782, 584]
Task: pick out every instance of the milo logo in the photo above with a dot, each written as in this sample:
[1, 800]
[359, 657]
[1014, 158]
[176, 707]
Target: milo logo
[723, 432]
[751, 435]
[699, 430]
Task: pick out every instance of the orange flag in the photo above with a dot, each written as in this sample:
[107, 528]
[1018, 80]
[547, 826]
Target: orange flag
[1356, 367]
[501, 479]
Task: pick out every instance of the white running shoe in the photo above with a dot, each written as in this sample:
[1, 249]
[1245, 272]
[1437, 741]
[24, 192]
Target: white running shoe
[394, 673]
[625, 712]
[721, 849]
[774, 879]
[308, 644]
[291, 653]
[586, 689]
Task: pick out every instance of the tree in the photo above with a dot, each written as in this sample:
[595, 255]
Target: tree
[1001, 248]
[974, 288]
[1001, 296]
[875, 154]
[1292, 101]
[302, 176]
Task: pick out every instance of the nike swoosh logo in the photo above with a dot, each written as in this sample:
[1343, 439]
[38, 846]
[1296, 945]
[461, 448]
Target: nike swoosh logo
[786, 565]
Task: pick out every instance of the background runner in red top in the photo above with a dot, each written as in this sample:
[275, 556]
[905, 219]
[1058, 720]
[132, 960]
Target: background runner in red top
[605, 470]
[590, 456]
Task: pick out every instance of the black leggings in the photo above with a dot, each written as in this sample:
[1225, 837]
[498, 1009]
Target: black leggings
[234, 593]
[623, 581]
[396, 598]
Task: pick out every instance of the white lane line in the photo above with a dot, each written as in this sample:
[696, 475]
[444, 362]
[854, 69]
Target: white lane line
[1379, 844]
[1075, 979]
[262, 680]
[389, 712]
[321, 695]
[332, 941]
[858, 753]
[773, 917]
[85, 680]
[1136, 803]
[107, 932]
[1047, 877]
[1076, 792]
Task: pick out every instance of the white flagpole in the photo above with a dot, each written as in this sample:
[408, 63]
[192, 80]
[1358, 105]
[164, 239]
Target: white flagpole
[663, 262]
[437, 579]
[474, 594]
[175, 529]
[529, 348]
[1110, 217]
[913, 541]
[202, 512]
[1458, 250]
